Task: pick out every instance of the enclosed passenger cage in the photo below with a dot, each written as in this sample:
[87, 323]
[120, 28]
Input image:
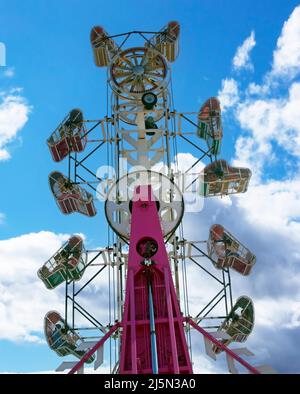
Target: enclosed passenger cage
[210, 124]
[61, 338]
[167, 41]
[71, 197]
[220, 179]
[104, 48]
[239, 323]
[68, 263]
[227, 252]
[69, 136]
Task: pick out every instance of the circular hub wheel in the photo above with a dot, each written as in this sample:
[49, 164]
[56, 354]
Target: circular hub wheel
[137, 71]
[169, 199]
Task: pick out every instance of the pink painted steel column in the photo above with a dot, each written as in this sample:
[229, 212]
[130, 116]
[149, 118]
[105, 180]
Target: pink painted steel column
[172, 350]
[132, 324]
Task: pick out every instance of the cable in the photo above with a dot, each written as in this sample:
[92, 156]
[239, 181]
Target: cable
[181, 232]
[108, 227]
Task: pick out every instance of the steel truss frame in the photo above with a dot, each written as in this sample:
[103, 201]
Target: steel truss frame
[108, 133]
[80, 173]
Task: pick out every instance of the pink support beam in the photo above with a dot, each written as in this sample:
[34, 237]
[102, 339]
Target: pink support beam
[222, 346]
[94, 349]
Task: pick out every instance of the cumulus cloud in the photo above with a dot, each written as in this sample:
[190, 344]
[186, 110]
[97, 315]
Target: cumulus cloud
[23, 298]
[4, 155]
[242, 57]
[9, 72]
[267, 220]
[269, 123]
[2, 218]
[14, 112]
[249, 155]
[256, 89]
[21, 257]
[286, 57]
[229, 93]
[268, 113]
[267, 217]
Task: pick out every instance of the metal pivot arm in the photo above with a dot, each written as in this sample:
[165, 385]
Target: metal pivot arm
[94, 349]
[223, 347]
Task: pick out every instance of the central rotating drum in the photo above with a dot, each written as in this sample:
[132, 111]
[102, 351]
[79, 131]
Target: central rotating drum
[137, 71]
[169, 201]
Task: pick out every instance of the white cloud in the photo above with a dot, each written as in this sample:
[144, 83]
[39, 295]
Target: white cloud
[9, 72]
[268, 121]
[202, 364]
[269, 116]
[268, 216]
[282, 197]
[286, 57]
[14, 112]
[283, 312]
[247, 155]
[229, 93]
[267, 220]
[2, 218]
[242, 57]
[184, 161]
[23, 297]
[4, 155]
[20, 258]
[255, 89]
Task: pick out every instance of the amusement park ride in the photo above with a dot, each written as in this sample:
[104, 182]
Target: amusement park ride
[150, 325]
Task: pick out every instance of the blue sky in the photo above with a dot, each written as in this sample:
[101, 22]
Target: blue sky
[49, 70]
